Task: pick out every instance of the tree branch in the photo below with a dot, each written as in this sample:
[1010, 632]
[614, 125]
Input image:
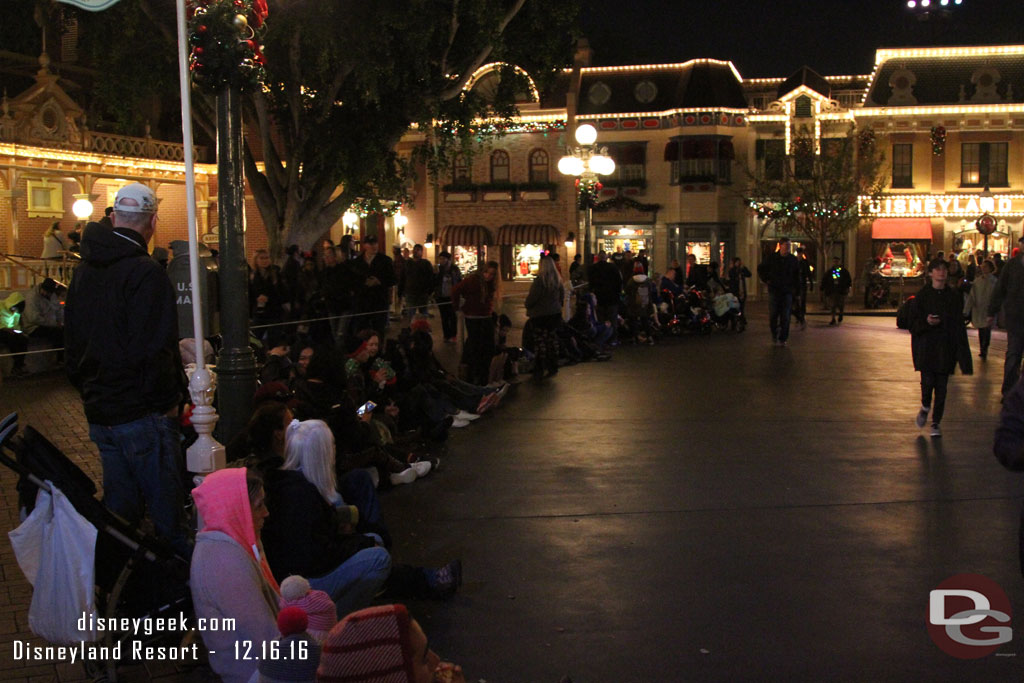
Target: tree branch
[453, 29]
[467, 72]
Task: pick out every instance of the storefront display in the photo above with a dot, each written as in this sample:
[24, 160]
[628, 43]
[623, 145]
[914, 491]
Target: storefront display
[907, 258]
[526, 258]
[626, 239]
[467, 258]
[972, 240]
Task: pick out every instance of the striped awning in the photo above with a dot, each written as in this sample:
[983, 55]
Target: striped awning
[464, 236]
[531, 233]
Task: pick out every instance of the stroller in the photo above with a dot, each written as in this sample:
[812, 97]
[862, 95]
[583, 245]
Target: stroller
[136, 574]
[726, 314]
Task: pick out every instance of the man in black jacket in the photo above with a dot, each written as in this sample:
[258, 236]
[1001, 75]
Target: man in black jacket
[781, 272]
[373, 276]
[606, 284]
[1009, 295]
[121, 339]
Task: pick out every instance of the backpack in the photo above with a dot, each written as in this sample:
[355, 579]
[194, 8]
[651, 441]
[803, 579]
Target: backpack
[903, 314]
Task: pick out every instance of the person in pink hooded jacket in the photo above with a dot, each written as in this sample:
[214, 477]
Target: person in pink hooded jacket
[230, 577]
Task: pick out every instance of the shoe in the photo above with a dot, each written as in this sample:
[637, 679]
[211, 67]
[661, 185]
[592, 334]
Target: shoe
[500, 393]
[922, 416]
[406, 476]
[803, 324]
[840, 318]
[459, 423]
[464, 415]
[832, 322]
[450, 340]
[782, 343]
[484, 405]
[421, 468]
[445, 581]
[936, 432]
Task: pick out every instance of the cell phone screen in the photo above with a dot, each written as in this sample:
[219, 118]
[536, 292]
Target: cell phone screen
[366, 408]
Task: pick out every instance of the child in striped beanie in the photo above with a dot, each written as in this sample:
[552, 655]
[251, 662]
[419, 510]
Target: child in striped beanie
[323, 615]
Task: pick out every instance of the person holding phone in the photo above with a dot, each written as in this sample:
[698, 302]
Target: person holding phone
[938, 341]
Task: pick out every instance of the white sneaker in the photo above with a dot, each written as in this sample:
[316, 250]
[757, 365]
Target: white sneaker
[406, 476]
[464, 415]
[936, 432]
[458, 422]
[922, 416]
[421, 468]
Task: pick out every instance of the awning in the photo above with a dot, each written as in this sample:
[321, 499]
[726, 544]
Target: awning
[901, 229]
[672, 151]
[533, 233]
[464, 236]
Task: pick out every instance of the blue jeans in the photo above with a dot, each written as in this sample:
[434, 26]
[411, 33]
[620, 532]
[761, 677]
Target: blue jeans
[780, 305]
[142, 470]
[356, 580]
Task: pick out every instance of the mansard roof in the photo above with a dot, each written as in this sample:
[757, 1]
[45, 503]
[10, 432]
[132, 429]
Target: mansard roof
[699, 83]
[808, 77]
[941, 76]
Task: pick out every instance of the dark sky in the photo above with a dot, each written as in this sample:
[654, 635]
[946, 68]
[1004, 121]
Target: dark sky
[777, 37]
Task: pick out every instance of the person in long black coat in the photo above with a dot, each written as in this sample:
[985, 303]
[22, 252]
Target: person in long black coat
[938, 341]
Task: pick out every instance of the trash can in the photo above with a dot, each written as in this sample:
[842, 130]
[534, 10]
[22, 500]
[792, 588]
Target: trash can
[179, 271]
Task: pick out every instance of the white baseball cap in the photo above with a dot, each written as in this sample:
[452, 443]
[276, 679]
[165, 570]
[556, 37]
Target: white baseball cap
[135, 198]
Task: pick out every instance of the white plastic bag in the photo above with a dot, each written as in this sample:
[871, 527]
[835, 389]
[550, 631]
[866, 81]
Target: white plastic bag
[56, 550]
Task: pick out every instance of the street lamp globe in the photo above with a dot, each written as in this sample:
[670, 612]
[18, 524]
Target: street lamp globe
[602, 165]
[82, 208]
[586, 134]
[570, 165]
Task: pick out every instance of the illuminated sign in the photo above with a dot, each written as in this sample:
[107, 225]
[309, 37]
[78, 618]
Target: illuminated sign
[942, 205]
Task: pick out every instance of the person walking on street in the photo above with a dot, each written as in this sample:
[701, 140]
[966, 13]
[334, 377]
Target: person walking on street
[121, 338]
[606, 285]
[781, 272]
[419, 282]
[978, 300]
[475, 297]
[1009, 296]
[448, 275]
[938, 341]
[544, 308]
[737, 277]
[836, 287]
[806, 281]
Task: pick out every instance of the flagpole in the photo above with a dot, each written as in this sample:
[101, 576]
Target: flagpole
[206, 454]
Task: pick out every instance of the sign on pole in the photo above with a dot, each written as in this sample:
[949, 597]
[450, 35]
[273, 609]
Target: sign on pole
[91, 5]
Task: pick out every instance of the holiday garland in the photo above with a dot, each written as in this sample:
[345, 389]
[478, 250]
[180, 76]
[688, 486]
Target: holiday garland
[225, 35]
[588, 190]
[866, 141]
[938, 140]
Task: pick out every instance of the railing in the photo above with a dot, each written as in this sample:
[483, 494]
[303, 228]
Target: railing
[23, 272]
[147, 147]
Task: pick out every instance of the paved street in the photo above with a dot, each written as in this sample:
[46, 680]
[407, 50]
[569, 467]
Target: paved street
[709, 509]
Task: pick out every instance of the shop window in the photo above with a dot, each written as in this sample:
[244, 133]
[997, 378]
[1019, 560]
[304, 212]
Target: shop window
[466, 258]
[903, 165]
[45, 199]
[906, 258]
[461, 171]
[499, 167]
[771, 158]
[538, 166]
[526, 260]
[983, 163]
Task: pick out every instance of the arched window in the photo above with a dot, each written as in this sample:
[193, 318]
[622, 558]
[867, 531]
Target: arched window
[538, 166]
[499, 167]
[460, 170]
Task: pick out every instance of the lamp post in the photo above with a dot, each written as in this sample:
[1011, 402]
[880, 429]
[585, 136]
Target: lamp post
[986, 224]
[587, 163]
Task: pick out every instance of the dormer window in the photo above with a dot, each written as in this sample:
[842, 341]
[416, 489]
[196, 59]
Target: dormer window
[803, 107]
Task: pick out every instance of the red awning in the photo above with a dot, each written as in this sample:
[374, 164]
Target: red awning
[901, 229]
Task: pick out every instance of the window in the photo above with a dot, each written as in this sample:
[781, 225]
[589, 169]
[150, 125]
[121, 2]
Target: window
[903, 165]
[499, 167]
[630, 160]
[45, 199]
[771, 157]
[983, 163]
[706, 159]
[803, 107]
[538, 166]
[461, 170]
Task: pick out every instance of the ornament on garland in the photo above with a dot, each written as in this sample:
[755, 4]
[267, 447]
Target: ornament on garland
[938, 140]
[588, 190]
[365, 206]
[224, 35]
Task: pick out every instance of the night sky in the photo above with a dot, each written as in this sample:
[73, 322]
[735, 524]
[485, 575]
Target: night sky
[765, 38]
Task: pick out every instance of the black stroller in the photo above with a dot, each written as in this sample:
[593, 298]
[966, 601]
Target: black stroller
[136, 574]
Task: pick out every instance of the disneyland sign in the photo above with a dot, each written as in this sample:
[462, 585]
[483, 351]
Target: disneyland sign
[941, 205]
